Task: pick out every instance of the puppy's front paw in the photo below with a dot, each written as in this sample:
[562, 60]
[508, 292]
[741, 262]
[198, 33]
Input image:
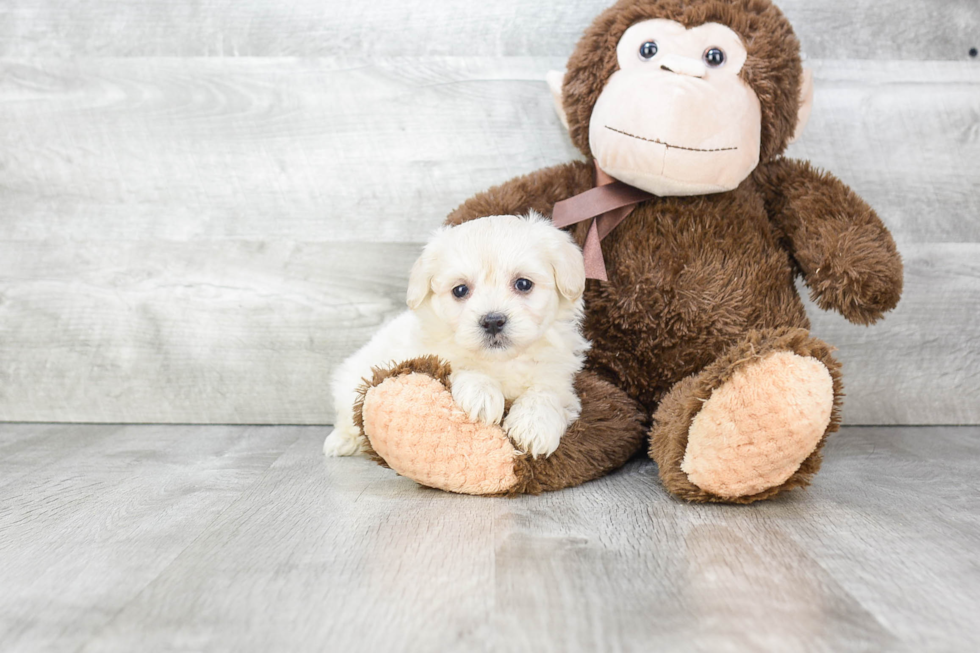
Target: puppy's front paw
[344, 440]
[536, 423]
[479, 396]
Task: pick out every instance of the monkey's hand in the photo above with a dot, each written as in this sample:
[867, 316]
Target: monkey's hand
[845, 253]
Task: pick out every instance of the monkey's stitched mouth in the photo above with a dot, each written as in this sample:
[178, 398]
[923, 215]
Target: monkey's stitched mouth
[668, 145]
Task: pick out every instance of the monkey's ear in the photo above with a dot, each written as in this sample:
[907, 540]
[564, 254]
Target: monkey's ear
[806, 103]
[555, 79]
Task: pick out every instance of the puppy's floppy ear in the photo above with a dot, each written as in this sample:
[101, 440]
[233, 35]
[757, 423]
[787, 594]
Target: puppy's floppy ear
[420, 279]
[569, 266]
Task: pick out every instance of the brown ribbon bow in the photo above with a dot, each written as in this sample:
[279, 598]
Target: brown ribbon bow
[610, 202]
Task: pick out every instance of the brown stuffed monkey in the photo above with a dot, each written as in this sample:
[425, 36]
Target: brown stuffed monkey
[694, 227]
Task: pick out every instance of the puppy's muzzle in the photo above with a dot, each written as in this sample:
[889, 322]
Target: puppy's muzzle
[493, 323]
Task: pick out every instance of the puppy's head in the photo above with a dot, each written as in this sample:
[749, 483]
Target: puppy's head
[495, 285]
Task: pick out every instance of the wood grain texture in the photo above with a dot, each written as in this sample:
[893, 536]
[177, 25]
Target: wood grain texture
[90, 515]
[835, 29]
[248, 333]
[223, 539]
[225, 332]
[196, 238]
[312, 150]
[350, 150]
[921, 365]
[903, 137]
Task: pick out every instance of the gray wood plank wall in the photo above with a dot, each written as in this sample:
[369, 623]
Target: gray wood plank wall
[205, 204]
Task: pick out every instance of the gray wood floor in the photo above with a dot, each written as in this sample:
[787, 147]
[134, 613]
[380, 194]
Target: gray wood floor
[149, 538]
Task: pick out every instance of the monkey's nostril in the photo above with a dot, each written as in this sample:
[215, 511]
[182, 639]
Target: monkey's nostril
[493, 323]
[683, 66]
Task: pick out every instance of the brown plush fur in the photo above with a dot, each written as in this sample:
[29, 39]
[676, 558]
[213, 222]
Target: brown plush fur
[538, 191]
[691, 278]
[838, 243]
[773, 68]
[608, 432]
[668, 438]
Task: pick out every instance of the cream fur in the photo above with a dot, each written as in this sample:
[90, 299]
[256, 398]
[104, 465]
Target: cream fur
[543, 349]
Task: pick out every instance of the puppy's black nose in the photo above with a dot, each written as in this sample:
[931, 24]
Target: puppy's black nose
[493, 323]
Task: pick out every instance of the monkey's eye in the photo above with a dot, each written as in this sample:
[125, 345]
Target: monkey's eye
[714, 57]
[460, 291]
[648, 50]
[524, 285]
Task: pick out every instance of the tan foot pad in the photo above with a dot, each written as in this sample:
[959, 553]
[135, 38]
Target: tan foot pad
[414, 425]
[757, 428]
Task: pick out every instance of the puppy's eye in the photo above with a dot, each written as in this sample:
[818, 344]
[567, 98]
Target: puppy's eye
[523, 285]
[714, 57]
[648, 50]
[461, 291]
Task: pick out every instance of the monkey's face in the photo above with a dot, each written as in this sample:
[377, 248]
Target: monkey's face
[676, 118]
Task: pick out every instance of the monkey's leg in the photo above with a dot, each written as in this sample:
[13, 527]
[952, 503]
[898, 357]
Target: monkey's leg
[413, 426]
[752, 423]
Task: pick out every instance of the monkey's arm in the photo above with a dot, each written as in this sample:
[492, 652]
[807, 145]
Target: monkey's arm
[845, 253]
[539, 191]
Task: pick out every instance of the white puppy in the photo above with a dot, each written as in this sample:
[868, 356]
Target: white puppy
[499, 299]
